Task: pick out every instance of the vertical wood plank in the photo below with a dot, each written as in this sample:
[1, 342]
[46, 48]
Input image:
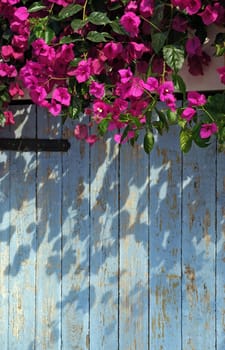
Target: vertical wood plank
[104, 247]
[198, 247]
[48, 280]
[75, 262]
[4, 240]
[134, 195]
[220, 249]
[165, 243]
[21, 269]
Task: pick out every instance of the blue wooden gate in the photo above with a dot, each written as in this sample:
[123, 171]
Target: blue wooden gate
[109, 250]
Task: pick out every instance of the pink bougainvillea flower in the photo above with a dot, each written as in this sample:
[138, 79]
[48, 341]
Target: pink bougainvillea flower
[134, 51]
[207, 130]
[62, 95]
[42, 50]
[131, 6]
[221, 72]
[151, 84]
[188, 113]
[21, 14]
[136, 88]
[112, 50]
[19, 42]
[54, 108]
[6, 52]
[165, 89]
[196, 99]
[119, 106]
[100, 110]
[15, 90]
[137, 107]
[193, 46]
[91, 139]
[38, 94]
[82, 72]
[179, 24]
[7, 70]
[146, 8]
[181, 4]
[221, 13]
[118, 138]
[9, 117]
[193, 6]
[196, 62]
[65, 53]
[81, 131]
[130, 22]
[97, 89]
[166, 95]
[209, 15]
[97, 66]
[125, 75]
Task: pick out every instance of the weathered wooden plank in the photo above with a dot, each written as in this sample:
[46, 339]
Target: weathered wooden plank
[104, 247]
[5, 161]
[134, 248]
[21, 268]
[4, 246]
[198, 249]
[48, 270]
[165, 243]
[75, 262]
[220, 250]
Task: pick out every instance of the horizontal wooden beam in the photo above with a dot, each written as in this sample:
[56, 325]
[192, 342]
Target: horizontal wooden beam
[34, 145]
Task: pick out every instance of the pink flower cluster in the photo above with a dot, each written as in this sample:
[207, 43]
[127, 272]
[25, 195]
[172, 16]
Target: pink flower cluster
[116, 81]
[212, 13]
[46, 74]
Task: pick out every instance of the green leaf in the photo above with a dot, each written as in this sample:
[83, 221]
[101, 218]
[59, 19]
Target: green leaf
[2, 119]
[174, 57]
[162, 118]
[116, 27]
[158, 125]
[96, 37]
[185, 140]
[3, 87]
[125, 133]
[158, 41]
[172, 117]
[148, 142]
[67, 39]
[5, 96]
[75, 62]
[115, 6]
[103, 126]
[98, 18]
[35, 7]
[179, 83]
[69, 11]
[77, 24]
[216, 105]
[48, 34]
[182, 122]
[73, 112]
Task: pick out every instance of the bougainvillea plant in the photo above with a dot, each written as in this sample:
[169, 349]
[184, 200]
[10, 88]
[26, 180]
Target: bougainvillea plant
[109, 63]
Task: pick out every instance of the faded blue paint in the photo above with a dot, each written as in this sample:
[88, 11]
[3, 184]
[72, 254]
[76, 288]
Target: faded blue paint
[75, 245]
[100, 251]
[104, 247]
[165, 244]
[198, 253]
[134, 249]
